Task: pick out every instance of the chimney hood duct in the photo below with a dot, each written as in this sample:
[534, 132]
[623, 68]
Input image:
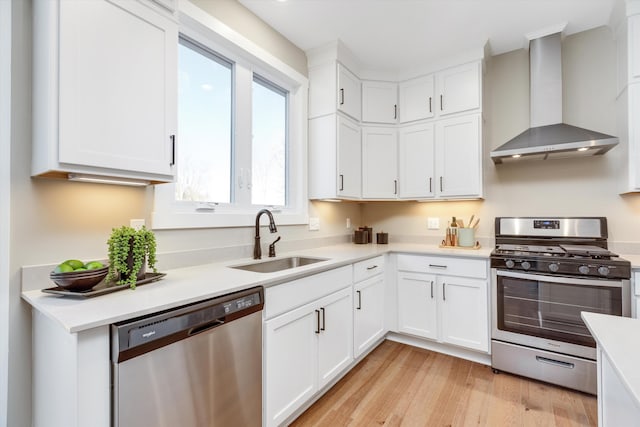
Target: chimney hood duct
[548, 137]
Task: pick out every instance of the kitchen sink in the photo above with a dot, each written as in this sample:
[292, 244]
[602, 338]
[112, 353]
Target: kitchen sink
[278, 264]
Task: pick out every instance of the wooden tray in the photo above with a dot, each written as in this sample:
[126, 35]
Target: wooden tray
[103, 287]
[474, 247]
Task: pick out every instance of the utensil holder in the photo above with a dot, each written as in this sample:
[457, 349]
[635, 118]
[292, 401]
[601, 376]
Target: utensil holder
[466, 237]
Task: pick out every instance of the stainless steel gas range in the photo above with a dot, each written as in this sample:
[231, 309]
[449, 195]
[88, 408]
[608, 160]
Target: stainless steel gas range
[544, 273]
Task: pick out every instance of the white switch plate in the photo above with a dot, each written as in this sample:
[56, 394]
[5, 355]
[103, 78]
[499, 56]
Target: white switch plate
[314, 223]
[433, 223]
[136, 224]
[348, 222]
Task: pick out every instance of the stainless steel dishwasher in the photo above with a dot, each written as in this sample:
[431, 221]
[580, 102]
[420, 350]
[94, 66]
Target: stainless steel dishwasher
[197, 365]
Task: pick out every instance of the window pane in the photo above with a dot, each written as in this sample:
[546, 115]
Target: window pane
[269, 144]
[204, 126]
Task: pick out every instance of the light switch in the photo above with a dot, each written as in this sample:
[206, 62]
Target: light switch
[314, 223]
[136, 224]
[433, 223]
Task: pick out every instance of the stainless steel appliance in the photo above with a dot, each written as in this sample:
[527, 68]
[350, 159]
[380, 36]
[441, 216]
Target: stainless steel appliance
[197, 365]
[544, 273]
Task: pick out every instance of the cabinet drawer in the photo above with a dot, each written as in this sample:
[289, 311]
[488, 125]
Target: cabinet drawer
[364, 269]
[289, 295]
[450, 266]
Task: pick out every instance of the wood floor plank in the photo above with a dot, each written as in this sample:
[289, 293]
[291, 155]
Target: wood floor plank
[400, 385]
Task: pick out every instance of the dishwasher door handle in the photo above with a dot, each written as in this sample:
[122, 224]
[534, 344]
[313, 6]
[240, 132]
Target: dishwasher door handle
[205, 327]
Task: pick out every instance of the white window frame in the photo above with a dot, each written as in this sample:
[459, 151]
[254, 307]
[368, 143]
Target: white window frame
[248, 58]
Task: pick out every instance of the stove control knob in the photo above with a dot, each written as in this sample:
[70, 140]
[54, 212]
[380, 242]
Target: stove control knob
[603, 271]
[509, 263]
[583, 269]
[525, 265]
[554, 267]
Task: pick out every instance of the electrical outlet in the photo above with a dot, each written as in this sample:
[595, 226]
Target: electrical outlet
[348, 222]
[136, 224]
[314, 223]
[433, 223]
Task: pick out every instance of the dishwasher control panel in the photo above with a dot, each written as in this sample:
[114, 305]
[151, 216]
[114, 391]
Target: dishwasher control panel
[130, 338]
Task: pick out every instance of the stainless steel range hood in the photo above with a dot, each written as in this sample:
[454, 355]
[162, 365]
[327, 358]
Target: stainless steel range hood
[548, 137]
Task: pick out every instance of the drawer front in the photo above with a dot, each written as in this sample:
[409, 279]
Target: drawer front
[287, 296]
[368, 268]
[451, 266]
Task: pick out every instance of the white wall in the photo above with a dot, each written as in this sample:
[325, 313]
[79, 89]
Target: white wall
[5, 168]
[562, 187]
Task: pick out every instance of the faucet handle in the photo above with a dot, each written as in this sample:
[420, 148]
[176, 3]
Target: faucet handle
[272, 247]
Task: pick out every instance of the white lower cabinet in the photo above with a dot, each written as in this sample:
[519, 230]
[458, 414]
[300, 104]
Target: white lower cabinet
[368, 304]
[305, 349]
[451, 309]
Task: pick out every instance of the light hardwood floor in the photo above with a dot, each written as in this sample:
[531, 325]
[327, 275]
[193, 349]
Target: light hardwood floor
[402, 385]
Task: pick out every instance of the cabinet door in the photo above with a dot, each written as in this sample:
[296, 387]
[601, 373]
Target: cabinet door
[458, 157]
[379, 102]
[464, 315]
[117, 86]
[416, 99]
[459, 89]
[349, 159]
[417, 305]
[335, 343]
[416, 152]
[368, 313]
[349, 93]
[379, 163]
[290, 362]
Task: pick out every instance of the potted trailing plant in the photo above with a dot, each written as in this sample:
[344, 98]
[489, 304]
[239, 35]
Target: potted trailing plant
[128, 250]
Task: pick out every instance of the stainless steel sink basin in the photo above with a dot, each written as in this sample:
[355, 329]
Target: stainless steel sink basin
[278, 264]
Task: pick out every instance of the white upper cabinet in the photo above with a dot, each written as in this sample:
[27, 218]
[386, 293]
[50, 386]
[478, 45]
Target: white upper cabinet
[379, 102]
[459, 157]
[349, 93]
[459, 89]
[105, 89]
[335, 158]
[379, 163]
[416, 161]
[634, 47]
[416, 99]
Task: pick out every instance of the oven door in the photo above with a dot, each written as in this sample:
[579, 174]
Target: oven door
[543, 311]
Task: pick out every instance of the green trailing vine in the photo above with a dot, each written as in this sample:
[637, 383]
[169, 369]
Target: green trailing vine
[142, 244]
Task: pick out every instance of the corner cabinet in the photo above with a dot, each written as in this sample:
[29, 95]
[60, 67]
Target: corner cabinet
[105, 89]
[379, 102]
[444, 299]
[335, 158]
[379, 163]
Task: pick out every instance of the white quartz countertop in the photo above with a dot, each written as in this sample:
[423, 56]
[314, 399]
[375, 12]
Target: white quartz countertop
[619, 338]
[192, 284]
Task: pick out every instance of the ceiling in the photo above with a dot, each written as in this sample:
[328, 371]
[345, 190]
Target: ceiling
[393, 35]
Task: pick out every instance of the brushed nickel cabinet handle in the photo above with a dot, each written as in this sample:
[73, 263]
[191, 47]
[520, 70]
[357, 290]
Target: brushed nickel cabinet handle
[341, 182]
[441, 107]
[430, 110]
[430, 186]
[395, 186]
[395, 111]
[444, 291]
[441, 184]
[432, 289]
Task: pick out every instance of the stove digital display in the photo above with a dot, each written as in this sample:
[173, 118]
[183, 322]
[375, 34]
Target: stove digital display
[546, 224]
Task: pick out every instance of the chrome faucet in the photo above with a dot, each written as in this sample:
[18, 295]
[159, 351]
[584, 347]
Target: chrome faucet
[257, 252]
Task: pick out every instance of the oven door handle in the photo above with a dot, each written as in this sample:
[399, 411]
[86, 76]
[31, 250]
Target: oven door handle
[560, 279]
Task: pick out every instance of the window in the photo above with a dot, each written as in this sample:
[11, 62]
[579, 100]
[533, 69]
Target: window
[241, 142]
[204, 125]
[269, 144]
